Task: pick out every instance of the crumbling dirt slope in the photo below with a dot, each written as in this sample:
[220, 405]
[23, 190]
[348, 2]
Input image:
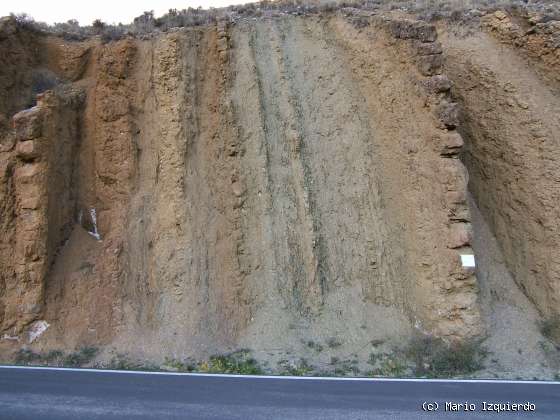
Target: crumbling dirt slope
[267, 183]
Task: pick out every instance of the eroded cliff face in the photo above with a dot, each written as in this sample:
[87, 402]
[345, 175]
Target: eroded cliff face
[42, 201]
[253, 185]
[511, 122]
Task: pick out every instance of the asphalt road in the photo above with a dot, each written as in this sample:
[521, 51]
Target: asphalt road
[29, 393]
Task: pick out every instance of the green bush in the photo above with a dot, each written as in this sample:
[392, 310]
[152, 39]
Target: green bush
[80, 357]
[388, 365]
[433, 357]
[301, 368]
[392, 367]
[122, 362]
[237, 362]
[345, 367]
[178, 365]
[54, 357]
[42, 80]
[25, 357]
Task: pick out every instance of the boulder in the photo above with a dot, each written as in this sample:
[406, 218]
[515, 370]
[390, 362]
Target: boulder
[450, 144]
[460, 235]
[428, 48]
[456, 197]
[448, 114]
[28, 124]
[27, 150]
[454, 175]
[29, 174]
[437, 84]
[33, 198]
[430, 65]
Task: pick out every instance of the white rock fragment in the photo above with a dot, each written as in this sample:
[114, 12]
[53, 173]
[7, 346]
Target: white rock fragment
[10, 337]
[37, 329]
[94, 233]
[467, 260]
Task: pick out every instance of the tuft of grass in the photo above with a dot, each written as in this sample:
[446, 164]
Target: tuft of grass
[345, 367]
[237, 362]
[315, 346]
[178, 365]
[388, 365]
[433, 357]
[373, 358]
[80, 357]
[550, 328]
[333, 342]
[41, 80]
[392, 366]
[26, 357]
[77, 358]
[301, 368]
[54, 357]
[122, 362]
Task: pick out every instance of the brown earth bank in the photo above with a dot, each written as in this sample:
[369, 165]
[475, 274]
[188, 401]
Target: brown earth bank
[297, 186]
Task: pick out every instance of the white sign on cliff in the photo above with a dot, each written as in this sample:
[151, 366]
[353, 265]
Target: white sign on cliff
[468, 260]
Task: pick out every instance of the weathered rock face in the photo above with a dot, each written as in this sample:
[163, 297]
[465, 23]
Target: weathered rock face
[242, 185]
[19, 59]
[511, 123]
[534, 36]
[43, 201]
[424, 159]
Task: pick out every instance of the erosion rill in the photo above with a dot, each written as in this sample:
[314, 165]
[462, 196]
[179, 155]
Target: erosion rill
[264, 184]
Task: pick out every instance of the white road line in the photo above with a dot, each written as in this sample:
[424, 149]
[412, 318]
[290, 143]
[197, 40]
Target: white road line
[304, 378]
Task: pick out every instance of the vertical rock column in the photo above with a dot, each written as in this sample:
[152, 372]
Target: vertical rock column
[454, 310]
[30, 179]
[457, 298]
[46, 140]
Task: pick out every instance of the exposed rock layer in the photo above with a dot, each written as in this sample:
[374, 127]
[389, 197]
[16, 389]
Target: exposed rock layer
[255, 184]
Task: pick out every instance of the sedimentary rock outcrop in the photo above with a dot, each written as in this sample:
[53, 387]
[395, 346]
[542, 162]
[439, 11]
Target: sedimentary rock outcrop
[250, 183]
